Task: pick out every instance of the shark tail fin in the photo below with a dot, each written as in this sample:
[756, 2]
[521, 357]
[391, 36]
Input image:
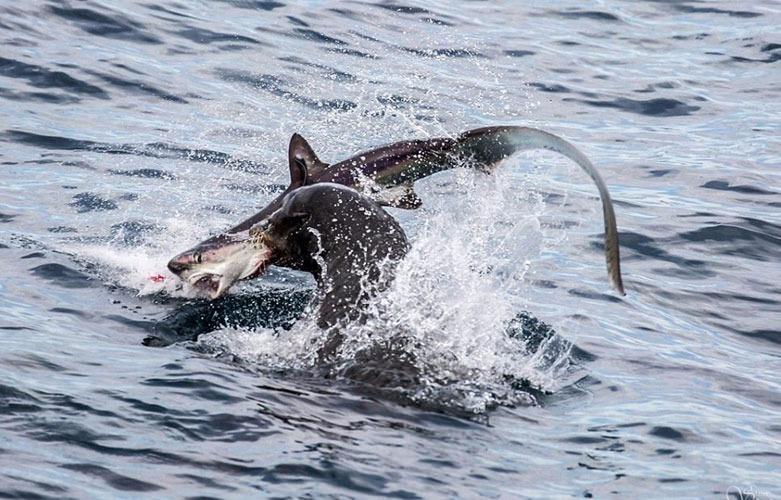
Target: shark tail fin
[492, 144]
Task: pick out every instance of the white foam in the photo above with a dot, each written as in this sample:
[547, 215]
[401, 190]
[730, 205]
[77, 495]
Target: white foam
[463, 281]
[140, 268]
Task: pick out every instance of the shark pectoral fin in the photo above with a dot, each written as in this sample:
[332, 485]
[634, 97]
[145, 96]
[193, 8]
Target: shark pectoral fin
[402, 196]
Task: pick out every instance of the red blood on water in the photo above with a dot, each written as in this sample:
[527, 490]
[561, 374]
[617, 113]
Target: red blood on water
[157, 278]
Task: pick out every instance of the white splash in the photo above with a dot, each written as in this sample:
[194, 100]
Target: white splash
[142, 268]
[454, 295]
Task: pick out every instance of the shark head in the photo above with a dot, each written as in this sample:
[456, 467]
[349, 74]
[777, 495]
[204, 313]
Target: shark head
[214, 265]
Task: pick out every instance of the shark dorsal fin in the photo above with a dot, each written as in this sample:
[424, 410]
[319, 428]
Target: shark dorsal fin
[303, 161]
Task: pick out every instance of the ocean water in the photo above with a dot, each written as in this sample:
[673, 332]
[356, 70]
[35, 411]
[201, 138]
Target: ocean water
[131, 130]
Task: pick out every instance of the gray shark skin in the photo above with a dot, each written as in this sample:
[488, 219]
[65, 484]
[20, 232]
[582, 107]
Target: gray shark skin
[386, 174]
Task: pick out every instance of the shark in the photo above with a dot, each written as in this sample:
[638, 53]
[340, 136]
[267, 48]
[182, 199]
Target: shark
[386, 175]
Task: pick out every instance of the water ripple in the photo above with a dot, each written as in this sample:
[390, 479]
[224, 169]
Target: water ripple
[132, 130]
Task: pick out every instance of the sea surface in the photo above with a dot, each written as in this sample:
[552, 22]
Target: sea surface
[130, 130]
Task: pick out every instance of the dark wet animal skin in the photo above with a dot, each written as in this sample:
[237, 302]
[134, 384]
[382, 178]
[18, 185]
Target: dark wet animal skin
[345, 240]
[387, 174]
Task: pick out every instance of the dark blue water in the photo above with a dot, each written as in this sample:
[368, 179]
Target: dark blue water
[130, 130]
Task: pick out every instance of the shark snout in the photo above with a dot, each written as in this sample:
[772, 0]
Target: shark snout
[181, 263]
[211, 267]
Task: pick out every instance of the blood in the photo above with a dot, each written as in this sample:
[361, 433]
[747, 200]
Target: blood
[157, 278]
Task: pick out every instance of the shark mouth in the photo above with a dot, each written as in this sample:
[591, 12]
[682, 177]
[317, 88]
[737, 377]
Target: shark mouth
[259, 269]
[243, 267]
[208, 284]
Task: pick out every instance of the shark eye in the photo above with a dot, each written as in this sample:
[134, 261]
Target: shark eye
[198, 258]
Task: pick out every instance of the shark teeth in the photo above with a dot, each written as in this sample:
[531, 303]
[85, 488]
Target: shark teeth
[208, 283]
